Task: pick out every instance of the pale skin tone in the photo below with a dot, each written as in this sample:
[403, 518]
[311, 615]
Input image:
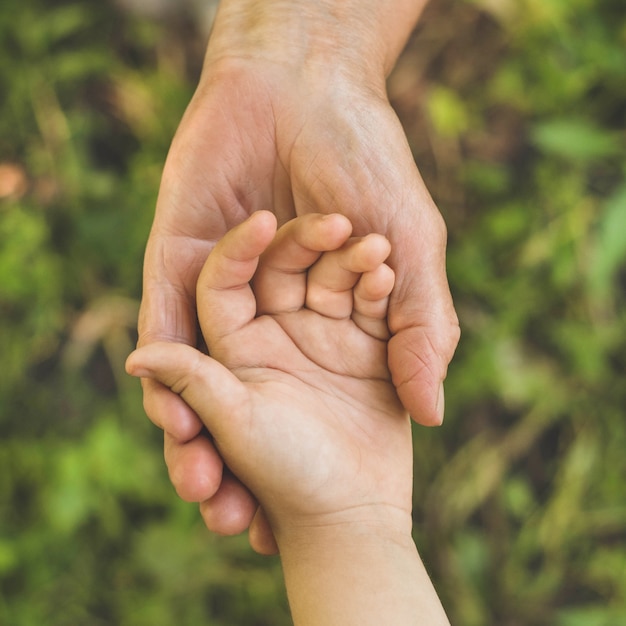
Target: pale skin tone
[291, 116]
[299, 401]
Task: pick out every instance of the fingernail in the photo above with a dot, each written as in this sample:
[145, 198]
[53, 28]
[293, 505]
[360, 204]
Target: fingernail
[133, 368]
[441, 404]
[136, 371]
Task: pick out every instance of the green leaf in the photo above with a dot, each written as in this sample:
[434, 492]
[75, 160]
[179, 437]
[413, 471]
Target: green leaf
[610, 249]
[575, 139]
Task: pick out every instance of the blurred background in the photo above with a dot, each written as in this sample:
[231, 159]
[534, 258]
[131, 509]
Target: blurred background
[515, 111]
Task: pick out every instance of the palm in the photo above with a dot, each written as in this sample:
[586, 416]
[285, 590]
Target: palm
[307, 344]
[304, 390]
[290, 389]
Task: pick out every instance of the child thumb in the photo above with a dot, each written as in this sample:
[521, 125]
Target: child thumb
[209, 388]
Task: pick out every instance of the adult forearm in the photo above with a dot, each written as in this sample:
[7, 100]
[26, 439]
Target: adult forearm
[365, 34]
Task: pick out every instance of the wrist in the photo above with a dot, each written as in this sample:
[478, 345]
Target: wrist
[361, 523]
[359, 38]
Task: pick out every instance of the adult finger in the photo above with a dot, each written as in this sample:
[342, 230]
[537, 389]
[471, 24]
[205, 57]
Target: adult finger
[421, 318]
[231, 509]
[169, 412]
[226, 505]
[261, 536]
[195, 467]
[208, 387]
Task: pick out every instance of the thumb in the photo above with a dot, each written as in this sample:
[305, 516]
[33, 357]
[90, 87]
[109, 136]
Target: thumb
[418, 370]
[424, 326]
[216, 395]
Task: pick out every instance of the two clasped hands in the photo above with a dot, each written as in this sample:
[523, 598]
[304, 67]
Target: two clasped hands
[326, 320]
[300, 405]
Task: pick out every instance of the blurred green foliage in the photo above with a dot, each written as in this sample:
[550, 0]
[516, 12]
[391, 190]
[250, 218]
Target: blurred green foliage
[515, 110]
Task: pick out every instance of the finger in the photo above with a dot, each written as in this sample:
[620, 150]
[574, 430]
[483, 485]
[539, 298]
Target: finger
[422, 320]
[371, 301]
[169, 411]
[231, 509]
[209, 388]
[223, 291]
[167, 314]
[261, 536]
[171, 269]
[280, 282]
[195, 467]
[331, 280]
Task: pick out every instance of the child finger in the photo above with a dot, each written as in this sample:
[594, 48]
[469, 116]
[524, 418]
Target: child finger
[331, 280]
[280, 281]
[210, 389]
[223, 291]
[371, 300]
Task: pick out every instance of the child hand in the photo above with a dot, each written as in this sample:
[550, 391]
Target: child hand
[296, 393]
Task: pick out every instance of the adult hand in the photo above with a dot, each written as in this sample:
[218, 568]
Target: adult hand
[291, 115]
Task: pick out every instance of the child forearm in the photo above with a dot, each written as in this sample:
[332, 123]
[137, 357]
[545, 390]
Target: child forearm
[357, 574]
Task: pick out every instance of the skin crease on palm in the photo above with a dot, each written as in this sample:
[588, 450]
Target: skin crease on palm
[261, 134]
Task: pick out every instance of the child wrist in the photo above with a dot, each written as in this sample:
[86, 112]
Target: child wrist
[369, 524]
